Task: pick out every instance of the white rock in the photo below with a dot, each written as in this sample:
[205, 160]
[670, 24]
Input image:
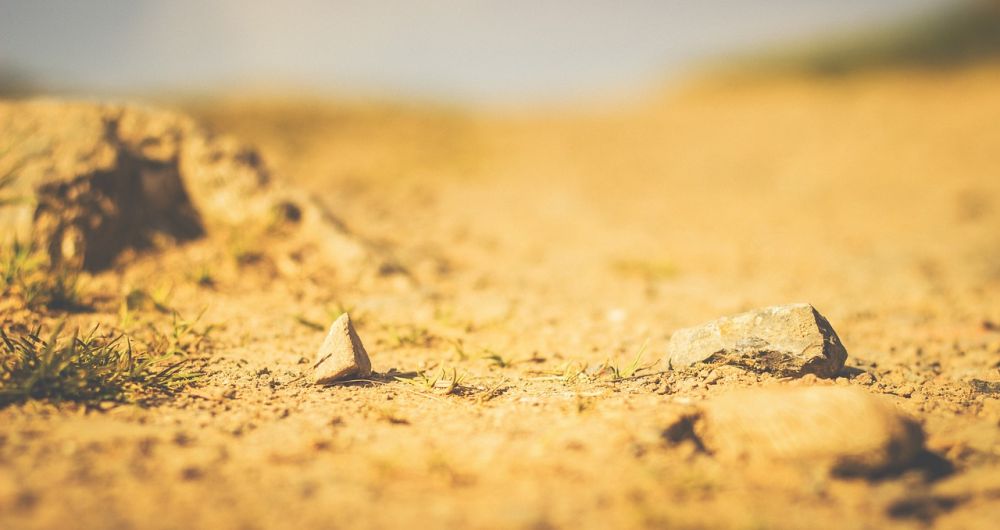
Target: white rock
[342, 355]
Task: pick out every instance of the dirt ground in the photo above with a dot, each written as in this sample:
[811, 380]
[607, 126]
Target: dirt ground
[529, 250]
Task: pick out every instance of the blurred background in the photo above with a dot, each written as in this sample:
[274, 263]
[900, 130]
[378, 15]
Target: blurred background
[485, 51]
[854, 141]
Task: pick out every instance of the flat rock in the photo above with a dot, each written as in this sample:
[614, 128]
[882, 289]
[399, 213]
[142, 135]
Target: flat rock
[342, 355]
[788, 340]
[850, 430]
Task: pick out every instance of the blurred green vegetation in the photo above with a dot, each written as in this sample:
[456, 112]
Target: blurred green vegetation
[15, 82]
[963, 34]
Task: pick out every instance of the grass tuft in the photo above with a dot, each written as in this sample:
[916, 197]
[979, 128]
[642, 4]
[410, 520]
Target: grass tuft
[27, 275]
[495, 359]
[182, 336]
[84, 369]
[631, 370]
[409, 336]
[650, 270]
[440, 383]
[6, 181]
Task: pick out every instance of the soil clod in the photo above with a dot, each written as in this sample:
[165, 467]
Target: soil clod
[851, 431]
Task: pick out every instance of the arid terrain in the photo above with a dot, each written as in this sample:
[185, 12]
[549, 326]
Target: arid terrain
[522, 275]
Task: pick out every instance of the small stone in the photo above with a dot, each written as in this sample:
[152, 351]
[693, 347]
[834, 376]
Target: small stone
[865, 378]
[341, 356]
[906, 391]
[788, 340]
[852, 431]
[985, 387]
[192, 473]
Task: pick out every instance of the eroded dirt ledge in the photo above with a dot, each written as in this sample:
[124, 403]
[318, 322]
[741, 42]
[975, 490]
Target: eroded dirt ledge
[86, 180]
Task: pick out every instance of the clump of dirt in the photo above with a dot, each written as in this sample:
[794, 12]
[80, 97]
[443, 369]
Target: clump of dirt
[847, 429]
[85, 181]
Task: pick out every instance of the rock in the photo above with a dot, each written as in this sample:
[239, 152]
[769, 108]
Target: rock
[985, 387]
[786, 340]
[850, 430]
[342, 356]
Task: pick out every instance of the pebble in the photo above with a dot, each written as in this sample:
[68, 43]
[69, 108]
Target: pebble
[342, 356]
[865, 379]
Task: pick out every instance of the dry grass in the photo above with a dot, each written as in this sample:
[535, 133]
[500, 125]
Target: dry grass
[86, 369]
[27, 275]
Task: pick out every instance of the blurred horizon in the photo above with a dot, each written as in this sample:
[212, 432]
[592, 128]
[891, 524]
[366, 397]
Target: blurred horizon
[465, 52]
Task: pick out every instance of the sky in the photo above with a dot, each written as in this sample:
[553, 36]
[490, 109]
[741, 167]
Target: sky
[464, 50]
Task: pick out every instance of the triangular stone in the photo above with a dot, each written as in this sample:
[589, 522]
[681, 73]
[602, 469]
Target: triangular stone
[342, 356]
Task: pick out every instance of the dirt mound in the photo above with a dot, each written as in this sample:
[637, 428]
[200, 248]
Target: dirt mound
[860, 434]
[85, 181]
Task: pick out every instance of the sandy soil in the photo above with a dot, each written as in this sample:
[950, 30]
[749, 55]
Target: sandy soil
[536, 245]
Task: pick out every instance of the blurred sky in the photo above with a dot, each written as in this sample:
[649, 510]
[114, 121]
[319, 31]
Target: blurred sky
[465, 50]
